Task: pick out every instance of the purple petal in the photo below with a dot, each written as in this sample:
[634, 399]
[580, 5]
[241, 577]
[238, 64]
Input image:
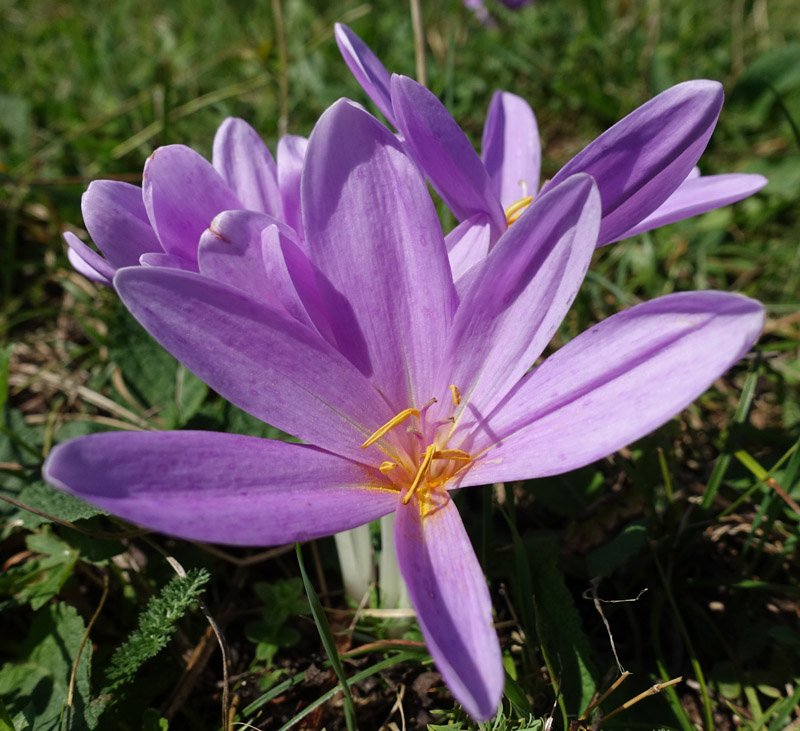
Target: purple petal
[246, 164]
[445, 155]
[288, 274]
[370, 73]
[511, 150]
[516, 299]
[291, 154]
[231, 253]
[182, 194]
[372, 231]
[256, 357]
[454, 610]
[468, 244]
[643, 158]
[116, 219]
[697, 195]
[167, 260]
[221, 488]
[615, 383]
[87, 261]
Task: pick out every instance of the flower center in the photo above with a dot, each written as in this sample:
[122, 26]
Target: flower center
[516, 209]
[421, 462]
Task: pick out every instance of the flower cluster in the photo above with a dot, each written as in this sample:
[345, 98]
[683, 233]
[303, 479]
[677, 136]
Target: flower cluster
[322, 296]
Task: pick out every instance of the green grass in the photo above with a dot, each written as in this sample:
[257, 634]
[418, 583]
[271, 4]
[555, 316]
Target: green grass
[702, 514]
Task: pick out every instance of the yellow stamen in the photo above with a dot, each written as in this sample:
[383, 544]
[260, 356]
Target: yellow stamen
[387, 467]
[389, 425]
[457, 454]
[421, 472]
[455, 394]
[515, 210]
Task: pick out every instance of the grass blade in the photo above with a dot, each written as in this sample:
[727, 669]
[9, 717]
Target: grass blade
[328, 643]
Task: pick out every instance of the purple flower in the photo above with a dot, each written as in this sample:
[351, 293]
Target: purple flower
[643, 165]
[161, 223]
[482, 14]
[402, 385]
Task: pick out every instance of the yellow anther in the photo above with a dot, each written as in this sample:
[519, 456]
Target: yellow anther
[389, 425]
[387, 467]
[455, 394]
[421, 472]
[457, 454]
[515, 210]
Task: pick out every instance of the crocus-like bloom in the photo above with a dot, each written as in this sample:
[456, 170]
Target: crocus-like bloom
[402, 385]
[160, 224]
[643, 165]
[481, 12]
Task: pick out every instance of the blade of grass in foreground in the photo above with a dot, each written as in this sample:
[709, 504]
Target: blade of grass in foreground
[724, 460]
[328, 643]
[357, 678]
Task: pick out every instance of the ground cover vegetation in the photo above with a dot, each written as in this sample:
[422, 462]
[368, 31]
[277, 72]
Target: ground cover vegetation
[675, 558]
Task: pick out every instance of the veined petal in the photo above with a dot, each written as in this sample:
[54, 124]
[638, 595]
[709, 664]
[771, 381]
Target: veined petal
[511, 150]
[468, 244]
[697, 195]
[87, 261]
[370, 73]
[443, 152]
[257, 357]
[640, 161]
[454, 609]
[372, 231]
[221, 488]
[170, 261]
[116, 219]
[247, 166]
[615, 383]
[231, 252]
[287, 269]
[182, 194]
[291, 154]
[518, 296]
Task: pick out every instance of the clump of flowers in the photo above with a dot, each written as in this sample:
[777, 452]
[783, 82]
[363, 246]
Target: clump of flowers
[162, 223]
[403, 383]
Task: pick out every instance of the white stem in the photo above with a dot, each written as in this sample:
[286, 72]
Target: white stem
[394, 593]
[355, 558]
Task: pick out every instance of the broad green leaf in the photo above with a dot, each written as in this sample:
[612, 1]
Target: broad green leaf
[627, 543]
[559, 624]
[38, 681]
[59, 504]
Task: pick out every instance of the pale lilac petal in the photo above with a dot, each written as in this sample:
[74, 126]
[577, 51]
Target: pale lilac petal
[372, 231]
[285, 263]
[221, 488]
[615, 383]
[443, 152]
[246, 164]
[370, 73]
[454, 609]
[694, 173]
[231, 253]
[256, 357]
[170, 261]
[468, 244]
[87, 261]
[80, 265]
[116, 219]
[511, 150]
[643, 158]
[518, 296]
[697, 195]
[291, 154]
[182, 193]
